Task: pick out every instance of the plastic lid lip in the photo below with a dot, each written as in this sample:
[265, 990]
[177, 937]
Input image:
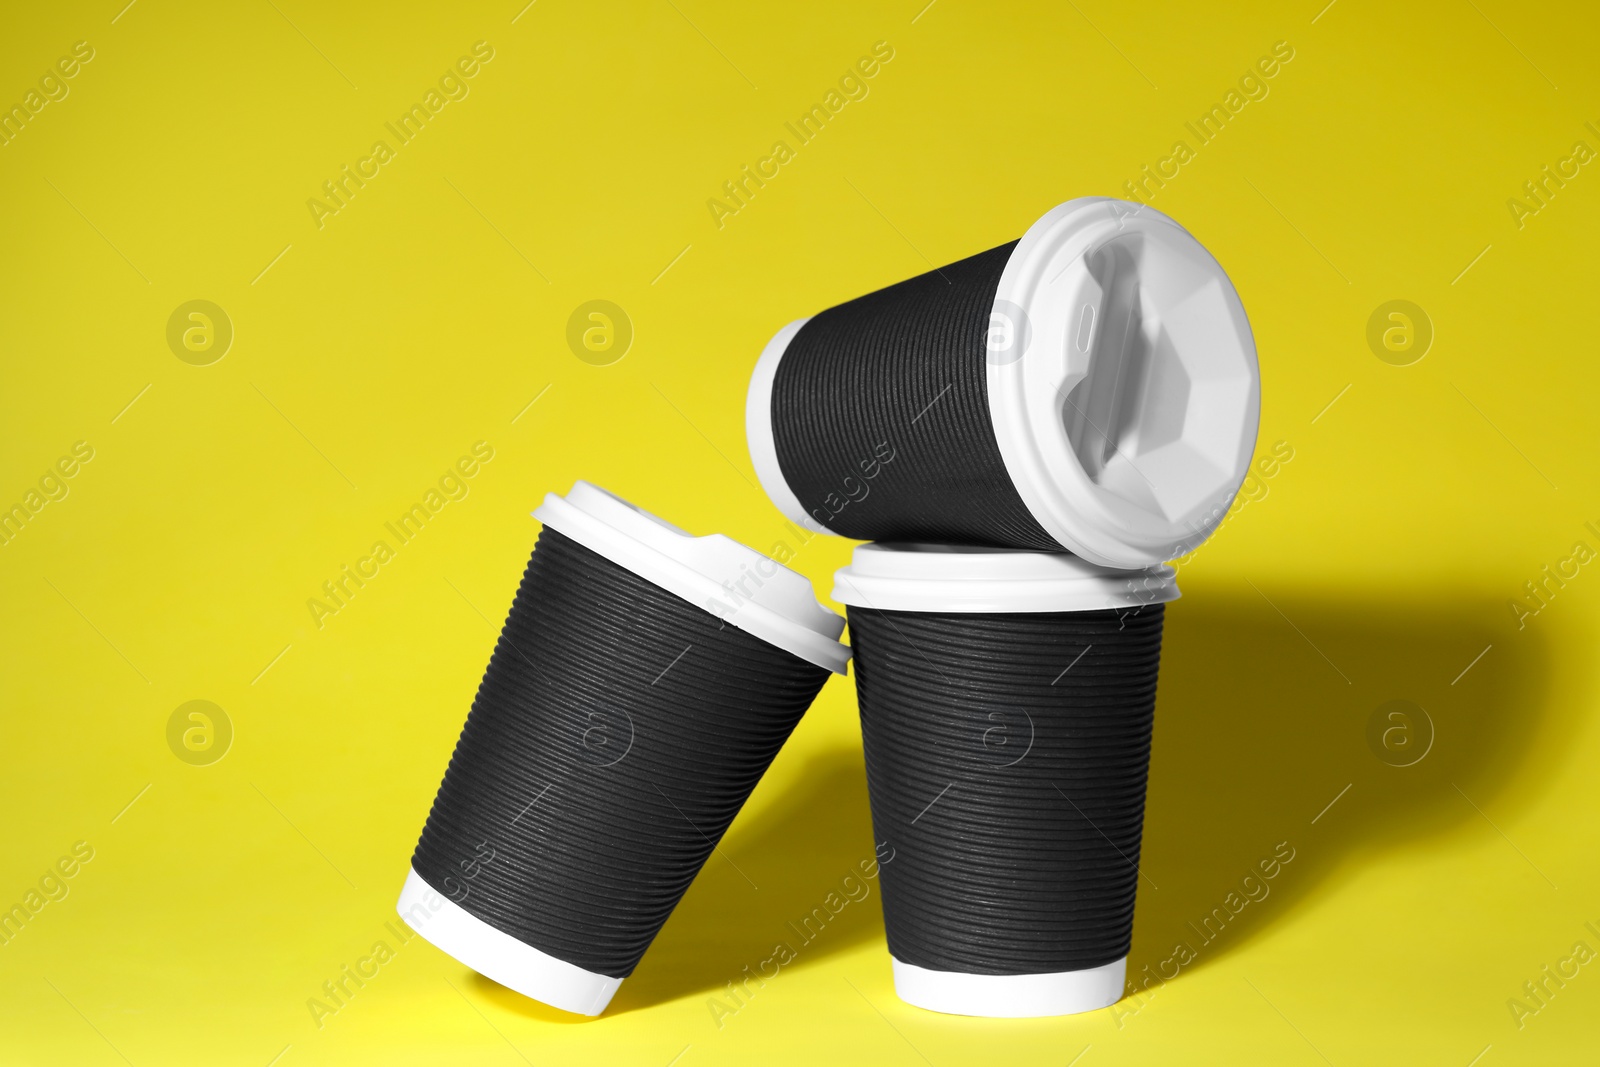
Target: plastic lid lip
[497, 955]
[736, 583]
[1174, 426]
[949, 578]
[758, 430]
[1010, 996]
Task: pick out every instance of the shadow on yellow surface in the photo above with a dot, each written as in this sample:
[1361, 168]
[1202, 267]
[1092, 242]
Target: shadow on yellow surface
[1290, 728]
[759, 889]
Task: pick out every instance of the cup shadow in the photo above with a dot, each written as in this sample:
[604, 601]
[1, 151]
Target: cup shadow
[769, 883]
[1275, 736]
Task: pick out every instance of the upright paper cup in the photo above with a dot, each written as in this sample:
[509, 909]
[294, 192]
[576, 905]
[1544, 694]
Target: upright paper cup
[1092, 387]
[644, 680]
[1006, 705]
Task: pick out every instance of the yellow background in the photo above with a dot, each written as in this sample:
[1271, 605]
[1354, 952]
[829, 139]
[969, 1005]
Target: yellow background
[431, 310]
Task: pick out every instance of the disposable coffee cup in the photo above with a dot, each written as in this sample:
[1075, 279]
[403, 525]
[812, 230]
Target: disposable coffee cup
[1006, 702]
[1092, 387]
[642, 683]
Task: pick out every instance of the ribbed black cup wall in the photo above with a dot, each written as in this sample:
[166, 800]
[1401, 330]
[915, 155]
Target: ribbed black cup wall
[902, 373]
[617, 732]
[1007, 756]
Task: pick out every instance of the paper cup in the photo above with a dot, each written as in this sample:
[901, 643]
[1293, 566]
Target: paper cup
[643, 681]
[1092, 387]
[1006, 703]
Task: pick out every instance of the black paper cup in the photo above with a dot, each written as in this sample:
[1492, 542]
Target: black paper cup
[1091, 387]
[644, 680]
[1006, 705]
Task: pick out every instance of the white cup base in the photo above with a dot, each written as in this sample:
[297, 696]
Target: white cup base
[498, 955]
[1010, 996]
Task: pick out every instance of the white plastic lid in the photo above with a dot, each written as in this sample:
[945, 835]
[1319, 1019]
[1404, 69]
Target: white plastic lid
[751, 591]
[1123, 383]
[1010, 996]
[496, 954]
[957, 578]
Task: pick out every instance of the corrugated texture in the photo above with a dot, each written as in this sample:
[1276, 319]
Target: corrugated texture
[617, 732]
[880, 415]
[1007, 757]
